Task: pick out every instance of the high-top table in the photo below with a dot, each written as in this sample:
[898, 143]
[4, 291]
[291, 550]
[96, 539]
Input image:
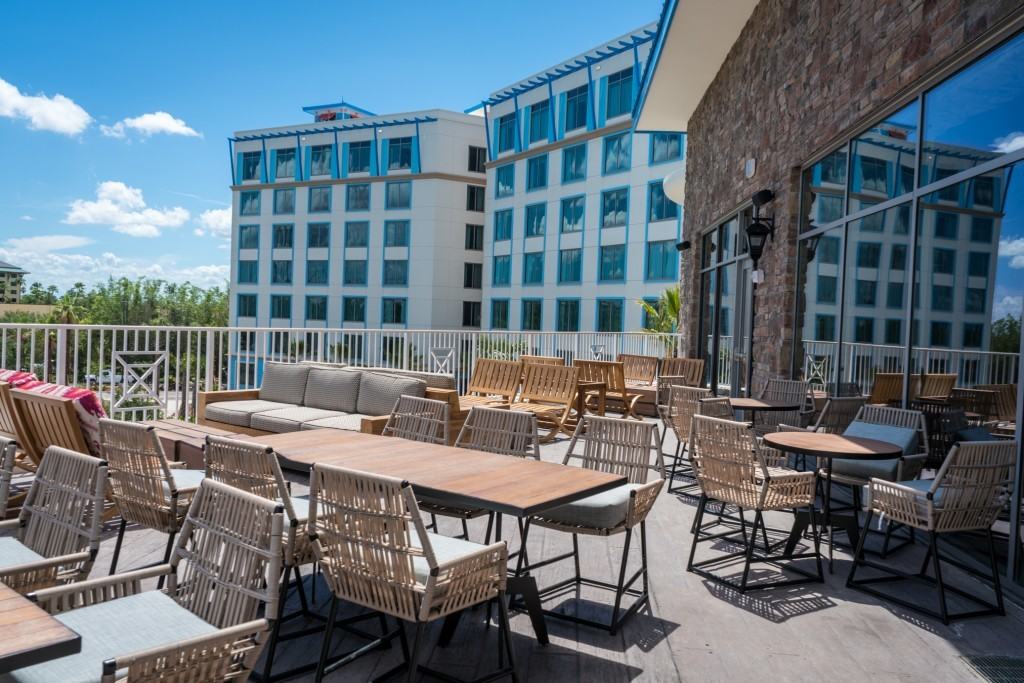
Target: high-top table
[29, 634]
[508, 485]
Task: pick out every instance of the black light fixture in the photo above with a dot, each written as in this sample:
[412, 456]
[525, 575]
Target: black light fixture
[811, 245]
[683, 246]
[761, 228]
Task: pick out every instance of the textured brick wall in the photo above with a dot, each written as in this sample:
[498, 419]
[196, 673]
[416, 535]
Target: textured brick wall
[802, 72]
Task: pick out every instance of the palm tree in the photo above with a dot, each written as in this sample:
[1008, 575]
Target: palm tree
[662, 317]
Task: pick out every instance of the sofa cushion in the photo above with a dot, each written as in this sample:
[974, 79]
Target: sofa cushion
[12, 553]
[865, 470]
[378, 392]
[904, 437]
[352, 423]
[240, 412]
[434, 380]
[284, 382]
[289, 419]
[332, 389]
[605, 510]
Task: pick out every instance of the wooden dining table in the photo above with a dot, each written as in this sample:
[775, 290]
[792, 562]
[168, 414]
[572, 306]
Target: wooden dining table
[508, 485]
[29, 634]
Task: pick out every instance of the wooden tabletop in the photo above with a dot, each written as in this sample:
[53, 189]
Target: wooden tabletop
[180, 430]
[832, 445]
[29, 635]
[505, 484]
[761, 404]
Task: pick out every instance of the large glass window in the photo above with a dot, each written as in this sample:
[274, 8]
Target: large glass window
[320, 160]
[540, 115]
[248, 272]
[284, 201]
[505, 180]
[396, 272]
[576, 105]
[567, 315]
[357, 197]
[281, 306]
[477, 159]
[285, 167]
[570, 266]
[316, 272]
[353, 309]
[661, 260]
[537, 172]
[246, 305]
[502, 225]
[609, 315]
[499, 314]
[393, 311]
[501, 272]
[248, 237]
[619, 98]
[399, 153]
[612, 263]
[617, 150]
[474, 198]
[359, 158]
[533, 268]
[883, 160]
[823, 186]
[283, 236]
[614, 207]
[532, 314]
[249, 203]
[572, 213]
[536, 219]
[574, 163]
[666, 147]
[251, 165]
[396, 233]
[660, 207]
[398, 195]
[357, 233]
[319, 199]
[318, 235]
[354, 272]
[506, 132]
[281, 272]
[474, 237]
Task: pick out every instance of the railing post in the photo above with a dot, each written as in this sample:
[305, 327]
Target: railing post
[208, 374]
[62, 356]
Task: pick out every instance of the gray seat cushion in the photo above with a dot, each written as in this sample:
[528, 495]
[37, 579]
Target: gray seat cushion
[601, 511]
[904, 437]
[284, 382]
[240, 412]
[187, 479]
[865, 470]
[974, 434]
[924, 486]
[289, 419]
[13, 553]
[352, 423]
[445, 549]
[115, 628]
[332, 389]
[434, 380]
[378, 392]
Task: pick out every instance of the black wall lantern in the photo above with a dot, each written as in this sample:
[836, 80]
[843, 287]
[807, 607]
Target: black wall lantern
[762, 228]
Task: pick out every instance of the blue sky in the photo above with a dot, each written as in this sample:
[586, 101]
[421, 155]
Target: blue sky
[120, 174]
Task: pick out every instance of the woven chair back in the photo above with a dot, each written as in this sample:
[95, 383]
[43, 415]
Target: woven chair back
[495, 378]
[616, 446]
[719, 407]
[47, 421]
[684, 403]
[786, 390]
[505, 432]
[140, 479]
[542, 360]
[418, 419]
[724, 453]
[639, 369]
[549, 383]
[838, 413]
[886, 387]
[247, 466]
[228, 556]
[974, 484]
[8, 449]
[611, 373]
[691, 369]
[896, 417]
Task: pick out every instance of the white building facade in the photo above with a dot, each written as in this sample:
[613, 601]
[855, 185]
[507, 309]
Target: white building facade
[578, 228]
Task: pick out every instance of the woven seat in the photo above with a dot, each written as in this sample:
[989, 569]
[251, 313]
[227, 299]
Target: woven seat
[683, 404]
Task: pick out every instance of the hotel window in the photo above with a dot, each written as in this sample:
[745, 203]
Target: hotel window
[473, 275]
[505, 180]
[532, 314]
[320, 160]
[281, 306]
[984, 190]
[246, 305]
[894, 295]
[357, 197]
[357, 233]
[283, 236]
[567, 315]
[477, 159]
[574, 163]
[396, 233]
[396, 273]
[399, 153]
[946, 225]
[824, 328]
[474, 237]
[471, 314]
[941, 333]
[316, 272]
[666, 147]
[503, 225]
[661, 260]
[502, 271]
[973, 335]
[506, 132]
[280, 272]
[864, 330]
[619, 99]
[570, 266]
[613, 263]
[248, 272]
[974, 300]
[248, 237]
[898, 257]
[609, 315]
[865, 292]
[981, 229]
[474, 198]
[869, 254]
[393, 311]
[354, 272]
[499, 314]
[572, 213]
[533, 268]
[537, 172]
[353, 309]
[943, 261]
[285, 167]
[319, 199]
[251, 165]
[617, 149]
[977, 264]
[540, 115]
[249, 203]
[874, 174]
[318, 235]
[614, 205]
[536, 219]
[359, 157]
[660, 207]
[893, 331]
[942, 298]
[576, 108]
[398, 195]
[316, 308]
[284, 201]
[873, 223]
[827, 289]
[828, 250]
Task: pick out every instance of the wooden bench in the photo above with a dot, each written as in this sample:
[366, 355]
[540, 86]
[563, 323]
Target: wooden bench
[548, 392]
[542, 360]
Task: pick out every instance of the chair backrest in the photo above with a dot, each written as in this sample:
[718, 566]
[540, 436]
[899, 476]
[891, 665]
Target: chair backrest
[549, 383]
[691, 369]
[9, 423]
[418, 419]
[616, 446]
[542, 360]
[506, 432]
[639, 369]
[683, 404]
[793, 390]
[979, 401]
[719, 407]
[228, 556]
[1005, 399]
[887, 387]
[896, 417]
[247, 466]
[8, 448]
[48, 421]
[493, 377]
[849, 390]
[726, 460]
[838, 413]
[140, 479]
[975, 480]
[937, 385]
[611, 373]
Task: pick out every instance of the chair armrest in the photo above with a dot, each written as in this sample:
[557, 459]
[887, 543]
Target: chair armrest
[93, 591]
[641, 501]
[469, 575]
[9, 524]
[373, 425]
[449, 396]
[177, 465]
[228, 395]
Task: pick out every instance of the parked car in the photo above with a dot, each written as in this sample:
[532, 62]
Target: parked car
[104, 376]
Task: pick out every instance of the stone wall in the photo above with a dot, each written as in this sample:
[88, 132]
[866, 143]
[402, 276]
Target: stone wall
[802, 73]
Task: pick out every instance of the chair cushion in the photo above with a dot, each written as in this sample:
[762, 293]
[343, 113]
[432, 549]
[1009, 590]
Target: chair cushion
[601, 511]
[974, 434]
[332, 389]
[240, 412]
[352, 423]
[904, 437]
[13, 553]
[187, 479]
[284, 382]
[434, 380]
[289, 419]
[865, 470]
[115, 628]
[445, 549]
[378, 392]
[924, 486]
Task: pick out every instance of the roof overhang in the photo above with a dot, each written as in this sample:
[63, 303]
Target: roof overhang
[694, 38]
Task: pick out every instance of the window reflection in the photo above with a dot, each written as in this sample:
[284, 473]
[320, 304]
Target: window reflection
[824, 184]
[884, 158]
[818, 310]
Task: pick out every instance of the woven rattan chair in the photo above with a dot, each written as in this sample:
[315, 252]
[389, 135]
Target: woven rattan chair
[8, 448]
[837, 414]
[147, 489]
[720, 407]
[418, 419]
[369, 538]
[970, 490]
[788, 391]
[548, 392]
[733, 469]
[204, 627]
[57, 533]
[684, 403]
[493, 382]
[616, 388]
[617, 447]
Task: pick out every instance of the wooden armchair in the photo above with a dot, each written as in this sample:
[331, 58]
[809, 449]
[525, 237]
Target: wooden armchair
[548, 392]
[47, 421]
[493, 382]
[936, 386]
[542, 360]
[887, 388]
[639, 370]
[617, 388]
[12, 428]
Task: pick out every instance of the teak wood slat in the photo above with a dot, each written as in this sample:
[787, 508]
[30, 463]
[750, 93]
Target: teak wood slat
[29, 635]
[48, 421]
[639, 369]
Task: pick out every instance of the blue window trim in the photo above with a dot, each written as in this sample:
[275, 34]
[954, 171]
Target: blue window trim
[512, 166]
[526, 215]
[597, 313]
[522, 311]
[309, 198]
[273, 208]
[674, 276]
[585, 161]
[625, 264]
[650, 186]
[397, 208]
[558, 275]
[512, 225]
[508, 310]
[650, 149]
[385, 285]
[579, 311]
[238, 304]
[259, 236]
[356, 284]
[583, 218]
[369, 197]
[305, 311]
[543, 265]
[494, 271]
[604, 153]
[405, 308]
[547, 169]
[291, 307]
[241, 203]
[345, 299]
[330, 235]
[345, 244]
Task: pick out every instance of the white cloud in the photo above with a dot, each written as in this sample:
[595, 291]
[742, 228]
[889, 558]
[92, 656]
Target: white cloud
[57, 114]
[158, 122]
[1013, 250]
[26, 218]
[1009, 143]
[1008, 305]
[44, 244]
[217, 222]
[123, 208]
